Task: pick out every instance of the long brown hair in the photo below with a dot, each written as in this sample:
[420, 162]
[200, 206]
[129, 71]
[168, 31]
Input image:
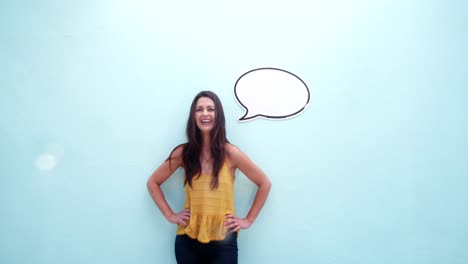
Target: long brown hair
[192, 149]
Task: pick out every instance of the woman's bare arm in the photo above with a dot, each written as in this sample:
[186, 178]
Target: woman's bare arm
[159, 176]
[241, 161]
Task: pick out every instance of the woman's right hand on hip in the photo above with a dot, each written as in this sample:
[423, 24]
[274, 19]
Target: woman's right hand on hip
[182, 217]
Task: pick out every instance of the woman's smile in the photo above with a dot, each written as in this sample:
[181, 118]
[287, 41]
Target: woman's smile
[205, 113]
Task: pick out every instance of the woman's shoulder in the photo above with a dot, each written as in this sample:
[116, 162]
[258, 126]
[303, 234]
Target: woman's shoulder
[177, 152]
[231, 149]
[233, 154]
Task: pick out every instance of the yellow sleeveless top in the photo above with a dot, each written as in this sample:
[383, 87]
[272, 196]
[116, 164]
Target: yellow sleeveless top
[208, 207]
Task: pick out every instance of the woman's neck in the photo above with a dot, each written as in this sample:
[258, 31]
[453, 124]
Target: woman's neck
[205, 152]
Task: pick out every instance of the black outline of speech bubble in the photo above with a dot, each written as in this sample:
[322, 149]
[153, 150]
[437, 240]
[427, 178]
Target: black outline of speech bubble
[267, 116]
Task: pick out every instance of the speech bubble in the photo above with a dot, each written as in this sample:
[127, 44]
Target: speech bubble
[271, 93]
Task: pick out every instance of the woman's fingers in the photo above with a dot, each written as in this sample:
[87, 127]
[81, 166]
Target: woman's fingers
[232, 223]
[235, 224]
[183, 217]
[234, 227]
[229, 218]
[186, 211]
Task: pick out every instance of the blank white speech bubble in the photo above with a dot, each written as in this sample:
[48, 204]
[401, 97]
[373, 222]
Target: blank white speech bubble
[271, 93]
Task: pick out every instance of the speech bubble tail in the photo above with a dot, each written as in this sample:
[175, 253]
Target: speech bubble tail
[246, 117]
[243, 118]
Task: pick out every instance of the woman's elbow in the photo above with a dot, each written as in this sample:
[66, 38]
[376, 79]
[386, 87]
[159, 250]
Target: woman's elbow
[150, 185]
[266, 184]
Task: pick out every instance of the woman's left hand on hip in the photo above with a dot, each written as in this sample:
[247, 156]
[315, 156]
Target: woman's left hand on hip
[234, 223]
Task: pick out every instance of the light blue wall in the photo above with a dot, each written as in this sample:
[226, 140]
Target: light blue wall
[374, 171]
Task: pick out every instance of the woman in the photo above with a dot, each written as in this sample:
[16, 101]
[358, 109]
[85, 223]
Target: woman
[207, 227]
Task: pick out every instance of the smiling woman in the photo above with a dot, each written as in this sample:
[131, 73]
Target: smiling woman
[205, 114]
[208, 226]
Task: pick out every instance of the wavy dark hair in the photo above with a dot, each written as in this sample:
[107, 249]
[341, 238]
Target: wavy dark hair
[192, 149]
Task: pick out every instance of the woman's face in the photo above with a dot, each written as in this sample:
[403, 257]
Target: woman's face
[205, 114]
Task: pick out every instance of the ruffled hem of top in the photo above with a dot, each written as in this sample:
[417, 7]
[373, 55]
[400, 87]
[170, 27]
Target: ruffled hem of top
[204, 228]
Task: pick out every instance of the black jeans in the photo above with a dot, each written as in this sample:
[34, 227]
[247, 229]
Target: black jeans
[192, 251]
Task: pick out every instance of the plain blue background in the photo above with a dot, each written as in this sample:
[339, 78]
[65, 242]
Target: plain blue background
[374, 171]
